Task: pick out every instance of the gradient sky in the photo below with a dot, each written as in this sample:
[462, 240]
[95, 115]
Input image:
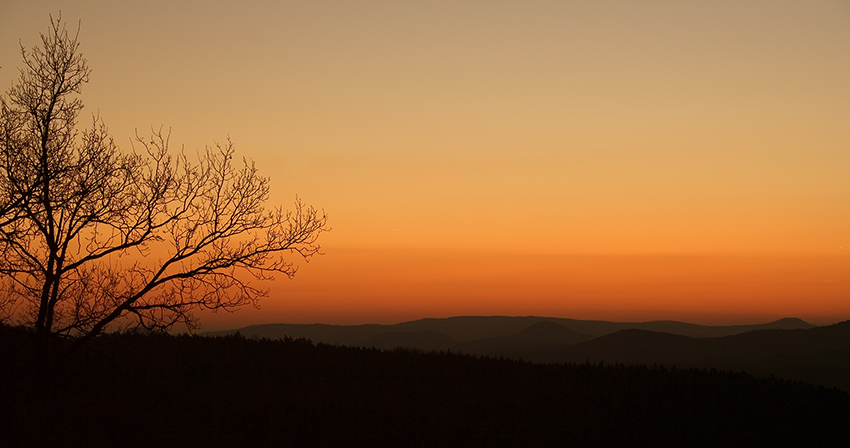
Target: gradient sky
[618, 160]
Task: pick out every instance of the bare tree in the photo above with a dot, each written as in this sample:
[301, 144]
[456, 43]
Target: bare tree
[93, 238]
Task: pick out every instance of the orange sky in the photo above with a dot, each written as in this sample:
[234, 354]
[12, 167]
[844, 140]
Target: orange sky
[624, 160]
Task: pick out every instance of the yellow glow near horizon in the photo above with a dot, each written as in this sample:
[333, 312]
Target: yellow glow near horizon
[538, 132]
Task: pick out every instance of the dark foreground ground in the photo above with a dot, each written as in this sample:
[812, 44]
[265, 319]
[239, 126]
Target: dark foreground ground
[195, 391]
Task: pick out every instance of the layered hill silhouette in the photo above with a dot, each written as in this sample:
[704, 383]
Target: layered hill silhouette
[819, 355]
[788, 348]
[475, 328]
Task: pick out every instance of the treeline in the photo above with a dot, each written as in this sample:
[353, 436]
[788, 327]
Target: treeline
[161, 390]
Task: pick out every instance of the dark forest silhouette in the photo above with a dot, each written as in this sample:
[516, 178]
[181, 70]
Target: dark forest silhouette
[161, 390]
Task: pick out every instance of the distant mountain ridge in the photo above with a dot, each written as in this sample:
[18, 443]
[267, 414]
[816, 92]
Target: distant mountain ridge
[789, 348]
[478, 331]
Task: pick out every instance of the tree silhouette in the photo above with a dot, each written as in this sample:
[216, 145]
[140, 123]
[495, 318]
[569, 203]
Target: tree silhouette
[95, 238]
